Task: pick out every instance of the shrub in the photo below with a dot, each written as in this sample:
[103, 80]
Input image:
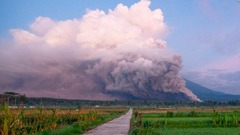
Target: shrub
[169, 114]
[192, 114]
[147, 124]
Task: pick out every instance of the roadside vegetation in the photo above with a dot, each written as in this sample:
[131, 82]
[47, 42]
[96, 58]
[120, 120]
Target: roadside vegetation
[53, 121]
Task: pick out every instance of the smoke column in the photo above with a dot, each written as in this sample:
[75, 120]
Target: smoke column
[98, 56]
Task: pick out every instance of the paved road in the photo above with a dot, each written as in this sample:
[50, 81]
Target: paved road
[118, 126]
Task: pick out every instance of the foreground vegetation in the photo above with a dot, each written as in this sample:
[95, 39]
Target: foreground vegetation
[186, 121]
[53, 121]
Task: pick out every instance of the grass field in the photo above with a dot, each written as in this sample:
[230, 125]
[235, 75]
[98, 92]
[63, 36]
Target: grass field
[187, 131]
[54, 121]
[186, 121]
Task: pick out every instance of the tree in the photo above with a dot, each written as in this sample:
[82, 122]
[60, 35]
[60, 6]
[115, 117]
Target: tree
[23, 99]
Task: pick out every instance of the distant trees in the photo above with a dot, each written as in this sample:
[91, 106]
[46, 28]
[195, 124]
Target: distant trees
[17, 99]
[13, 98]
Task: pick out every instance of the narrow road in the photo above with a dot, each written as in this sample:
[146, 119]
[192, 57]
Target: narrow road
[118, 126]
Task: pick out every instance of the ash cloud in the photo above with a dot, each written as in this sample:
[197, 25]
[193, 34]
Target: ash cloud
[99, 56]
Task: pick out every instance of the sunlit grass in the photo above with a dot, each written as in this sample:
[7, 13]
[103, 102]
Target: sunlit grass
[53, 121]
[186, 122]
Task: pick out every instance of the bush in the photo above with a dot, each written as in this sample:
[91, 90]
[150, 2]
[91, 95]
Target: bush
[192, 114]
[147, 124]
[169, 114]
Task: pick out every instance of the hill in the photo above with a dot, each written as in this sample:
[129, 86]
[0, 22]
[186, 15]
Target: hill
[207, 94]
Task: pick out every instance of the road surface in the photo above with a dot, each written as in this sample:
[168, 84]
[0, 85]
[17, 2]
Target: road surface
[118, 126]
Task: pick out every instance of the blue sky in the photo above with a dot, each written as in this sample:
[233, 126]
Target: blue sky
[206, 33]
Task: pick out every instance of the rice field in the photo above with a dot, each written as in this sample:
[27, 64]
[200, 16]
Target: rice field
[162, 121]
[186, 121]
[54, 121]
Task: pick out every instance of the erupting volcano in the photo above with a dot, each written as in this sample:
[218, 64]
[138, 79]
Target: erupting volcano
[120, 54]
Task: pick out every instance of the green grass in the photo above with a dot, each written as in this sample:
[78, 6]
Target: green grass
[177, 122]
[186, 131]
[180, 119]
[67, 130]
[186, 123]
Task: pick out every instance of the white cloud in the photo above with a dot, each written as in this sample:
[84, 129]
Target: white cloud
[24, 37]
[41, 25]
[121, 26]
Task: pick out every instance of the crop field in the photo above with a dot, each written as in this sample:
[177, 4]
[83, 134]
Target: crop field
[54, 121]
[186, 121]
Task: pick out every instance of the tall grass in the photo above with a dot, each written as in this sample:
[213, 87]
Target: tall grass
[31, 121]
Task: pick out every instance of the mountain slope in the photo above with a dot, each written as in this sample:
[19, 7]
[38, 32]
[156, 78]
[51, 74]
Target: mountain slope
[207, 94]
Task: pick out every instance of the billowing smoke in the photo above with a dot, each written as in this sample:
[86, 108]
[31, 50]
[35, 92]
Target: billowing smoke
[113, 55]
